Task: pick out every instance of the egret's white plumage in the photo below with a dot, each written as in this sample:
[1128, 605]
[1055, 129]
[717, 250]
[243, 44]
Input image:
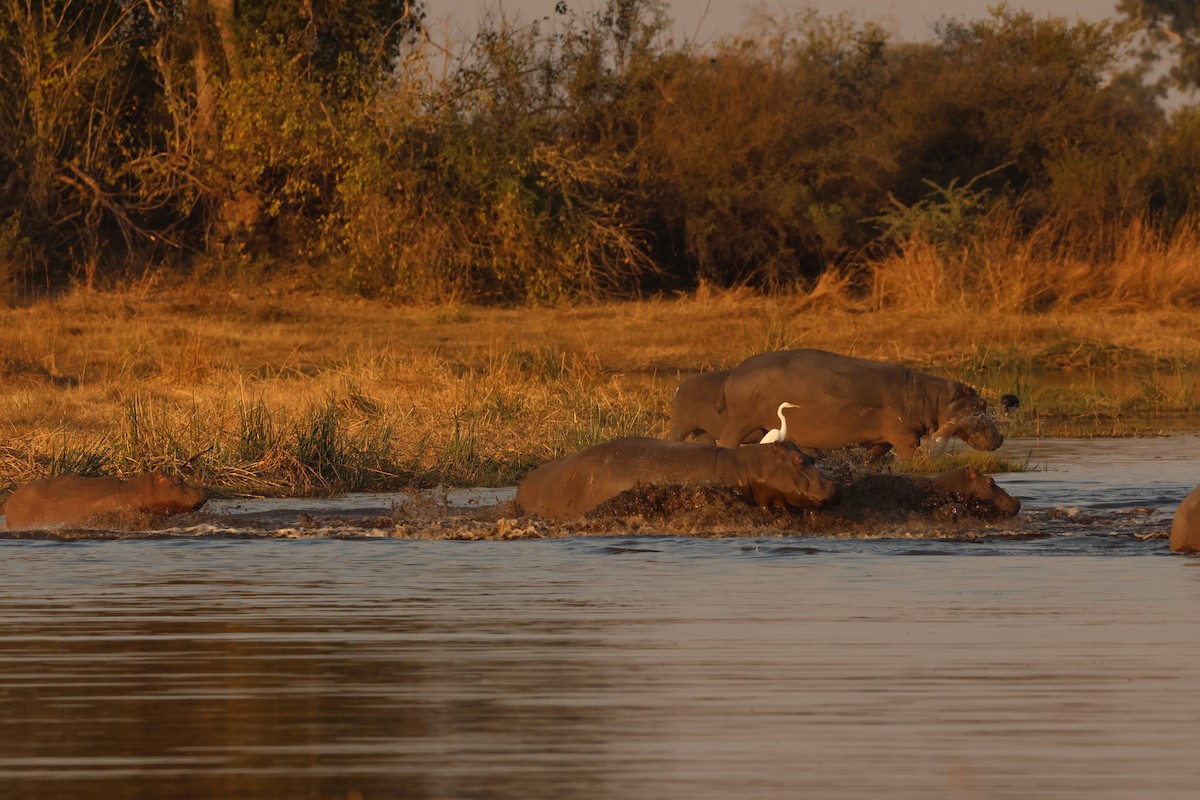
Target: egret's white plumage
[778, 434]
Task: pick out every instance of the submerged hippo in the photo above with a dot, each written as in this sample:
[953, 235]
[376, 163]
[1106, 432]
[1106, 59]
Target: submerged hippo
[1185, 529]
[962, 492]
[769, 475]
[851, 401]
[72, 499]
[968, 482]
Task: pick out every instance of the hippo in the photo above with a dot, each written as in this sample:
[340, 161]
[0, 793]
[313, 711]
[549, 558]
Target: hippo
[694, 409]
[964, 491]
[1185, 529]
[73, 499]
[775, 475]
[968, 482]
[851, 401]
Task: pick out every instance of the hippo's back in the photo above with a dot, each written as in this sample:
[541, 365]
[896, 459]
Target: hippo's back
[579, 482]
[819, 371]
[839, 400]
[58, 500]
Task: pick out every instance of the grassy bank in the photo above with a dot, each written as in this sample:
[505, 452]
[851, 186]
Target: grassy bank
[285, 393]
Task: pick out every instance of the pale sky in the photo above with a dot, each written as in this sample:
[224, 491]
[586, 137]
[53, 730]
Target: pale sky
[702, 20]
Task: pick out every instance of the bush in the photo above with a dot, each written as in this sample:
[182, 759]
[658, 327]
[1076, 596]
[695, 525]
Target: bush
[583, 157]
[1024, 102]
[474, 191]
[757, 157]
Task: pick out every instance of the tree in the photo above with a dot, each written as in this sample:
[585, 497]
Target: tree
[341, 40]
[1173, 26]
[79, 138]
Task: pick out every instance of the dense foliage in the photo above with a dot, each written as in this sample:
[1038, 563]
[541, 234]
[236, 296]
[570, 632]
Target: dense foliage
[576, 156]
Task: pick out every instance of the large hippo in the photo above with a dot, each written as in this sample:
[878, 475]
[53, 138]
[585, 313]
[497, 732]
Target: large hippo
[1185, 529]
[851, 401]
[73, 499]
[769, 475]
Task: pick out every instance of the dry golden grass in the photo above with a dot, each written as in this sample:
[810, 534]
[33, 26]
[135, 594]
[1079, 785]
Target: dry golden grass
[1017, 272]
[280, 392]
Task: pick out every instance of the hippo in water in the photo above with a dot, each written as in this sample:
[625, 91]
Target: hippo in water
[769, 475]
[851, 401]
[968, 482]
[1185, 529]
[961, 492]
[73, 499]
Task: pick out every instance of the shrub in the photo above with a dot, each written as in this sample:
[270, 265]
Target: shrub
[757, 153]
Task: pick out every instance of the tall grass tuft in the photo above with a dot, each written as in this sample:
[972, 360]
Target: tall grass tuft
[1009, 270]
[156, 435]
[329, 457]
[1155, 270]
[27, 458]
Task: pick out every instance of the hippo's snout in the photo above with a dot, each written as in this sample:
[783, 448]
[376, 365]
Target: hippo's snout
[978, 430]
[782, 476]
[814, 490]
[986, 438]
[825, 492]
[1008, 504]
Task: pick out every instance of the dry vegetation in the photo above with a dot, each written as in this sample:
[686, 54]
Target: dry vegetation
[1002, 205]
[587, 155]
[282, 392]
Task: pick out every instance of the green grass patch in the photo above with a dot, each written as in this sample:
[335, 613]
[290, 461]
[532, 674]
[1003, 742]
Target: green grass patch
[987, 461]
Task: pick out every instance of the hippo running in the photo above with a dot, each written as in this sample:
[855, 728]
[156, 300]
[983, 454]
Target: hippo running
[1185, 529]
[968, 482]
[73, 499]
[769, 475]
[694, 408]
[961, 492]
[851, 401]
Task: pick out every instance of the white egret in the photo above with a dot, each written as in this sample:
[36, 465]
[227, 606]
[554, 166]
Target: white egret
[778, 434]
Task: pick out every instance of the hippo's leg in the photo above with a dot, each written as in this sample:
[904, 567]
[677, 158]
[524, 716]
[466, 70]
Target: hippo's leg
[905, 446]
[679, 431]
[875, 451]
[734, 433]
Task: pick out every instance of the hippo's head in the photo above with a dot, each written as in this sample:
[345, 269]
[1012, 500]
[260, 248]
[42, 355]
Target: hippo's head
[966, 416]
[970, 482]
[166, 494]
[783, 476]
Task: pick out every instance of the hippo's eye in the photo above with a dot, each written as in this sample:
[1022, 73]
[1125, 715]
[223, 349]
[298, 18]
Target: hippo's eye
[991, 482]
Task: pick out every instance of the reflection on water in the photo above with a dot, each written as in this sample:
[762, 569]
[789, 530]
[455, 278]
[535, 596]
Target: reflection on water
[1058, 665]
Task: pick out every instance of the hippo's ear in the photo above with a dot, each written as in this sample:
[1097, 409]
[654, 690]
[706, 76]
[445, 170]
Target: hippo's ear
[801, 458]
[972, 473]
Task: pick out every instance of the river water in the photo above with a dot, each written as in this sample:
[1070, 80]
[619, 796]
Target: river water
[1058, 658]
